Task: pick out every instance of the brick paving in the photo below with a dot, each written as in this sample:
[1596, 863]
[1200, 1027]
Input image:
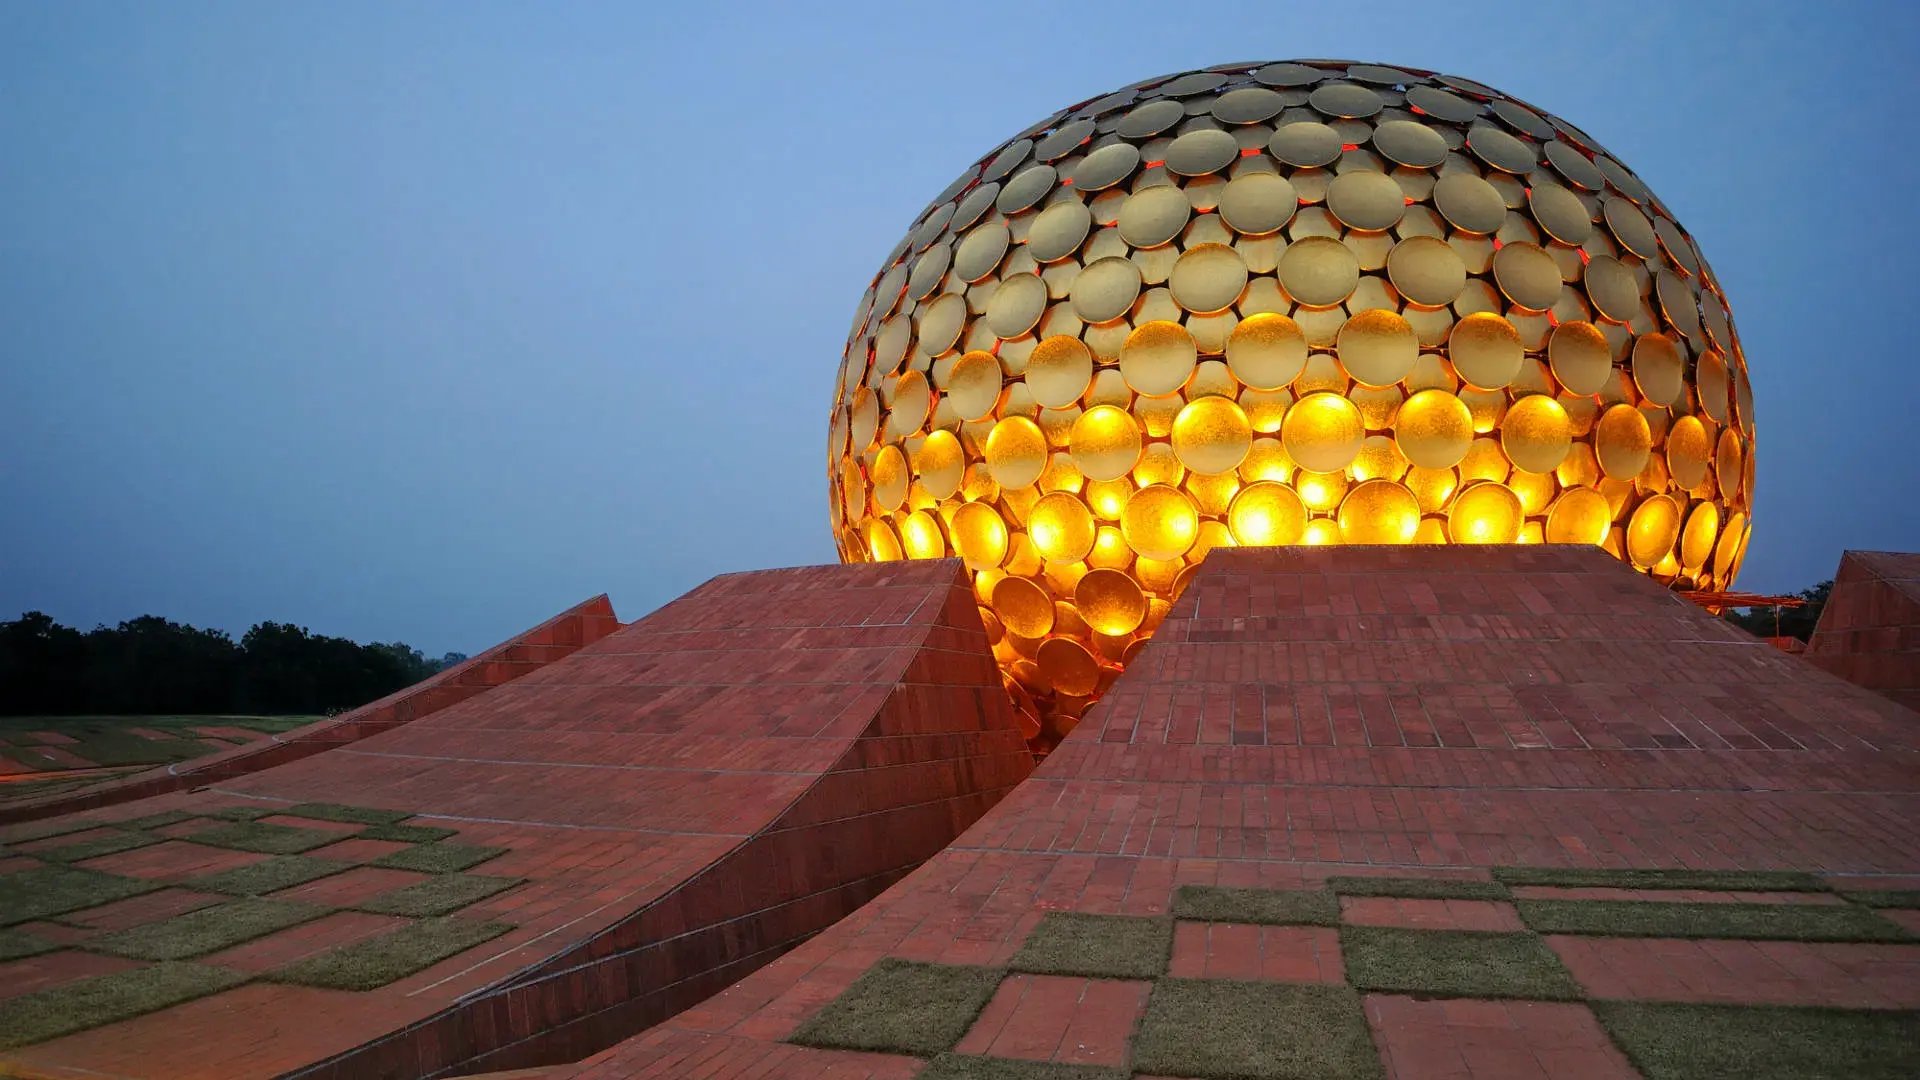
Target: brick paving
[1076, 1021]
[1518, 1040]
[1303, 954]
[1844, 974]
[1484, 915]
[1869, 629]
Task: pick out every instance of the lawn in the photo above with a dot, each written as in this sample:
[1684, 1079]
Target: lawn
[111, 742]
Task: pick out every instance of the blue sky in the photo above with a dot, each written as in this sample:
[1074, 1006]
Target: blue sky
[423, 321]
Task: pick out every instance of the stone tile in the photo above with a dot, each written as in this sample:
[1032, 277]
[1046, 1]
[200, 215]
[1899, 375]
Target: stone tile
[1489, 915]
[352, 886]
[1061, 1019]
[140, 910]
[1842, 975]
[278, 949]
[1236, 951]
[1492, 1040]
[53, 969]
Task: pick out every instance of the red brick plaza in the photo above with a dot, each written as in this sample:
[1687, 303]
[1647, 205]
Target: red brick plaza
[1412, 812]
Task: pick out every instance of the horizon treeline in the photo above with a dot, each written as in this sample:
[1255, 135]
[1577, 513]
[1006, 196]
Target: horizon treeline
[154, 666]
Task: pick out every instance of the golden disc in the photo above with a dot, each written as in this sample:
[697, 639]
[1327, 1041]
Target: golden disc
[1158, 357]
[1323, 431]
[1536, 433]
[1580, 357]
[1110, 601]
[1208, 278]
[1689, 452]
[1379, 512]
[1160, 522]
[1485, 513]
[1257, 203]
[1426, 270]
[1059, 371]
[1266, 350]
[1305, 144]
[1105, 443]
[1485, 350]
[1068, 666]
[1016, 306]
[1023, 607]
[1201, 151]
[1154, 216]
[1469, 203]
[1579, 516]
[1622, 441]
[1061, 527]
[1016, 452]
[1377, 347]
[1103, 291]
[1652, 530]
[1434, 429]
[1318, 271]
[1211, 435]
[1658, 369]
[1267, 513]
[1528, 275]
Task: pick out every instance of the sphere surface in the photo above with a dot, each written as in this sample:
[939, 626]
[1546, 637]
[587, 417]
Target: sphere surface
[1300, 302]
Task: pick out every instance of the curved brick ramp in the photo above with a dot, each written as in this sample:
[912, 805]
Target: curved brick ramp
[649, 820]
[1869, 630]
[1415, 759]
[558, 637]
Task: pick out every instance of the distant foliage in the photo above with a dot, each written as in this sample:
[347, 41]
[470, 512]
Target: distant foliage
[1784, 622]
[155, 666]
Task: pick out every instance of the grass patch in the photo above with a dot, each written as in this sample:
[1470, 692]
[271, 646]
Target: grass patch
[439, 858]
[46, 830]
[1672, 1041]
[1419, 888]
[1885, 898]
[1721, 880]
[968, 1067]
[406, 834]
[55, 890]
[260, 836]
[363, 815]
[375, 962]
[158, 821]
[104, 999]
[1108, 946]
[18, 945]
[1267, 907]
[100, 845]
[129, 749]
[208, 930]
[1454, 963]
[902, 1007]
[269, 725]
[443, 894]
[1754, 922]
[1254, 1031]
[269, 875]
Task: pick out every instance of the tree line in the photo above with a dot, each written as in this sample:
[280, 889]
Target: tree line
[154, 666]
[1793, 622]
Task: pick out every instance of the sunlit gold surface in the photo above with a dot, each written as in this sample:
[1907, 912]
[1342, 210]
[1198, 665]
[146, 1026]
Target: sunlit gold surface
[1287, 303]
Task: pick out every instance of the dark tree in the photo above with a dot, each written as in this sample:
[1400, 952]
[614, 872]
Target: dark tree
[1793, 622]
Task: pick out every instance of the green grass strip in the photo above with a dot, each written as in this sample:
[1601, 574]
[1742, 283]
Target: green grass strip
[406, 834]
[1720, 880]
[104, 999]
[1454, 963]
[1254, 1031]
[1741, 1042]
[207, 930]
[1885, 898]
[110, 844]
[442, 894]
[44, 830]
[969, 1067]
[1419, 888]
[903, 1007]
[375, 962]
[18, 945]
[269, 875]
[1103, 946]
[1267, 907]
[259, 836]
[439, 858]
[45, 891]
[363, 815]
[1753, 922]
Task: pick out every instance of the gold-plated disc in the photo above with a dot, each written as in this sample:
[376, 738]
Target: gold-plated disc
[941, 323]
[1154, 216]
[1379, 512]
[1106, 167]
[1201, 151]
[1612, 288]
[1208, 278]
[1677, 301]
[1318, 271]
[1433, 429]
[1677, 245]
[1016, 306]
[1689, 451]
[1698, 535]
[1485, 513]
[980, 251]
[973, 386]
[1528, 275]
[1266, 350]
[980, 536]
[1158, 357]
[1622, 441]
[1377, 347]
[1426, 270]
[1059, 371]
[1026, 189]
[1104, 291]
[1522, 119]
[1288, 74]
[1579, 516]
[1323, 432]
[1369, 201]
[1110, 601]
[1408, 143]
[1345, 100]
[1710, 383]
[1580, 356]
[1211, 435]
[1150, 119]
[1726, 464]
[1266, 513]
[1560, 212]
[1257, 203]
[1486, 350]
[1061, 527]
[1023, 607]
[1247, 105]
[1536, 433]
[1442, 104]
[908, 399]
[1059, 230]
[1652, 530]
[1630, 227]
[1574, 165]
[1500, 150]
[1160, 522]
[1658, 369]
[940, 464]
[1305, 144]
[1469, 203]
[1105, 442]
[889, 474]
[1068, 666]
[1016, 452]
[1063, 141]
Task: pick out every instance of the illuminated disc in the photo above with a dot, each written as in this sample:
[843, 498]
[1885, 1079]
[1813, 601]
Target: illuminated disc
[1258, 203]
[1211, 435]
[940, 464]
[1105, 167]
[1068, 666]
[1379, 459]
[1102, 292]
[1469, 203]
[1016, 306]
[1024, 608]
[1266, 513]
[882, 544]
[1368, 201]
[1320, 532]
[1579, 516]
[1160, 522]
[1426, 270]
[1652, 530]
[1434, 429]
[1485, 513]
[908, 400]
[1305, 144]
[1201, 151]
[1059, 230]
[1016, 452]
[864, 418]
[1536, 434]
[1527, 274]
[1110, 602]
[1580, 357]
[1208, 278]
[980, 536]
[1485, 461]
[1726, 552]
[1379, 512]
[889, 475]
[1105, 443]
[1658, 369]
[1323, 431]
[1622, 441]
[1154, 216]
[1432, 487]
[1485, 349]
[1059, 371]
[1377, 347]
[1409, 143]
[981, 250]
[1320, 490]
[1063, 140]
[1061, 527]
[1561, 213]
[1158, 357]
[1726, 463]
[1266, 350]
[1318, 271]
[1698, 535]
[920, 536]
[1689, 450]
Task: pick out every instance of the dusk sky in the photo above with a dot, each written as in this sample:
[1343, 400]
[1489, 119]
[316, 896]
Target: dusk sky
[425, 321]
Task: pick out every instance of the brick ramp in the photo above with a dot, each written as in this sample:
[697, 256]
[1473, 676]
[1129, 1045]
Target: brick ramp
[1415, 711]
[688, 798]
[558, 637]
[1869, 631]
